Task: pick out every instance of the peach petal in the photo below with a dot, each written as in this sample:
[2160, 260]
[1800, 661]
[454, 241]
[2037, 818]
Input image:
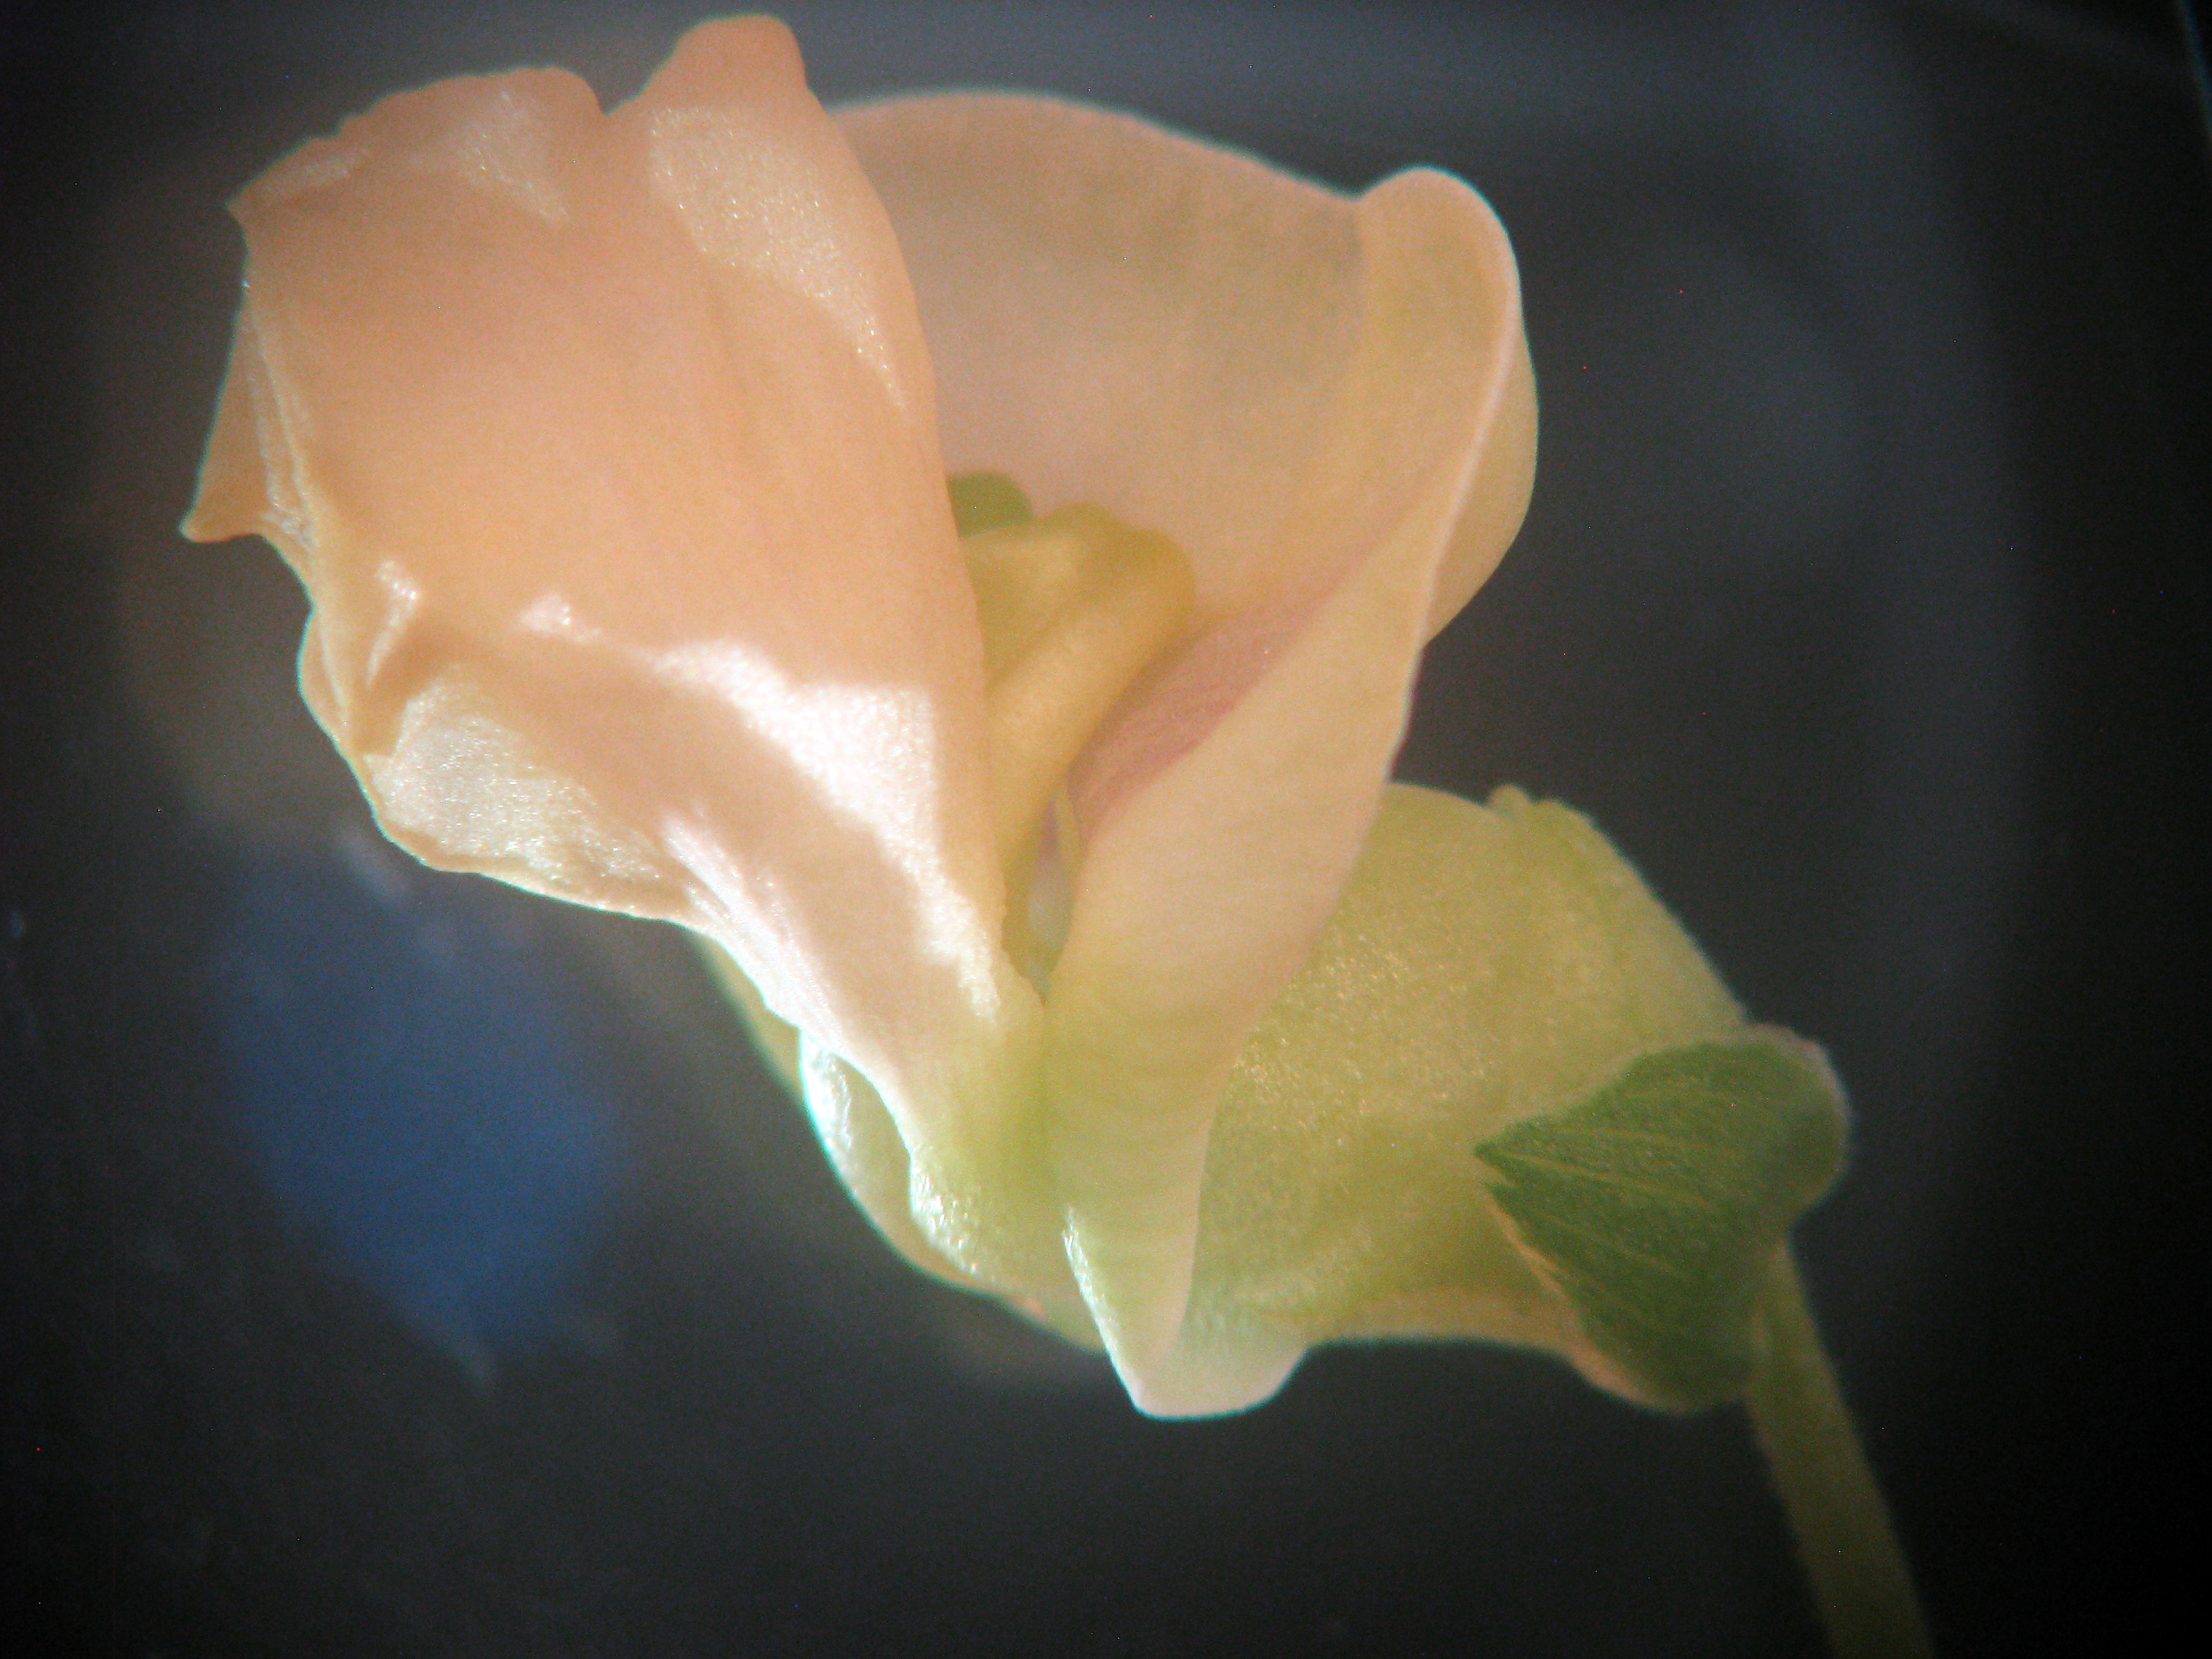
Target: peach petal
[606, 447]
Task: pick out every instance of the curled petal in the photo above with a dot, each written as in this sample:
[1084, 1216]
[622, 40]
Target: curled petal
[605, 444]
[1327, 403]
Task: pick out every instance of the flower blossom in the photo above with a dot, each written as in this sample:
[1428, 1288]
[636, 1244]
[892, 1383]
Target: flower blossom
[1060, 862]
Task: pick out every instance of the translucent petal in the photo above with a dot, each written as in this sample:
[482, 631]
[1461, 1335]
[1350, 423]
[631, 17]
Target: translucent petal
[1327, 403]
[606, 447]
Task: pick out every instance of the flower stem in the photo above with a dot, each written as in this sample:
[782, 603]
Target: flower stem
[1859, 1578]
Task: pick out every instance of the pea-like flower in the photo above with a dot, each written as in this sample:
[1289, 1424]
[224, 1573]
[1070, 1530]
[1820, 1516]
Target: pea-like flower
[1057, 860]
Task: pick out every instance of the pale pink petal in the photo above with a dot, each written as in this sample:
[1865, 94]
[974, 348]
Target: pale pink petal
[1327, 404]
[606, 447]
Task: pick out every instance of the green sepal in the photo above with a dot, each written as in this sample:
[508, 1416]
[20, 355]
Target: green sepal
[985, 501]
[1654, 1205]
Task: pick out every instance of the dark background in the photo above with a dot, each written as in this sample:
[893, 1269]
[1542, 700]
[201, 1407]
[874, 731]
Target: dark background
[393, 1264]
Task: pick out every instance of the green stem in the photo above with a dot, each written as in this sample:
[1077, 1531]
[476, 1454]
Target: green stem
[1859, 1577]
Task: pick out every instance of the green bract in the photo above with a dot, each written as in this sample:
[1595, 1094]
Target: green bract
[1656, 1206]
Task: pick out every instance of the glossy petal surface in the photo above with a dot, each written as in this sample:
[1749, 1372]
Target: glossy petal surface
[606, 447]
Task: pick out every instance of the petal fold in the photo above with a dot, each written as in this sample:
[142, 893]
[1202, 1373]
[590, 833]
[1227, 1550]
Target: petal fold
[606, 447]
[1327, 403]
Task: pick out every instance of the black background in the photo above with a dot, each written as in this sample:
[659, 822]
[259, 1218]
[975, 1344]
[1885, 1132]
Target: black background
[1863, 601]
